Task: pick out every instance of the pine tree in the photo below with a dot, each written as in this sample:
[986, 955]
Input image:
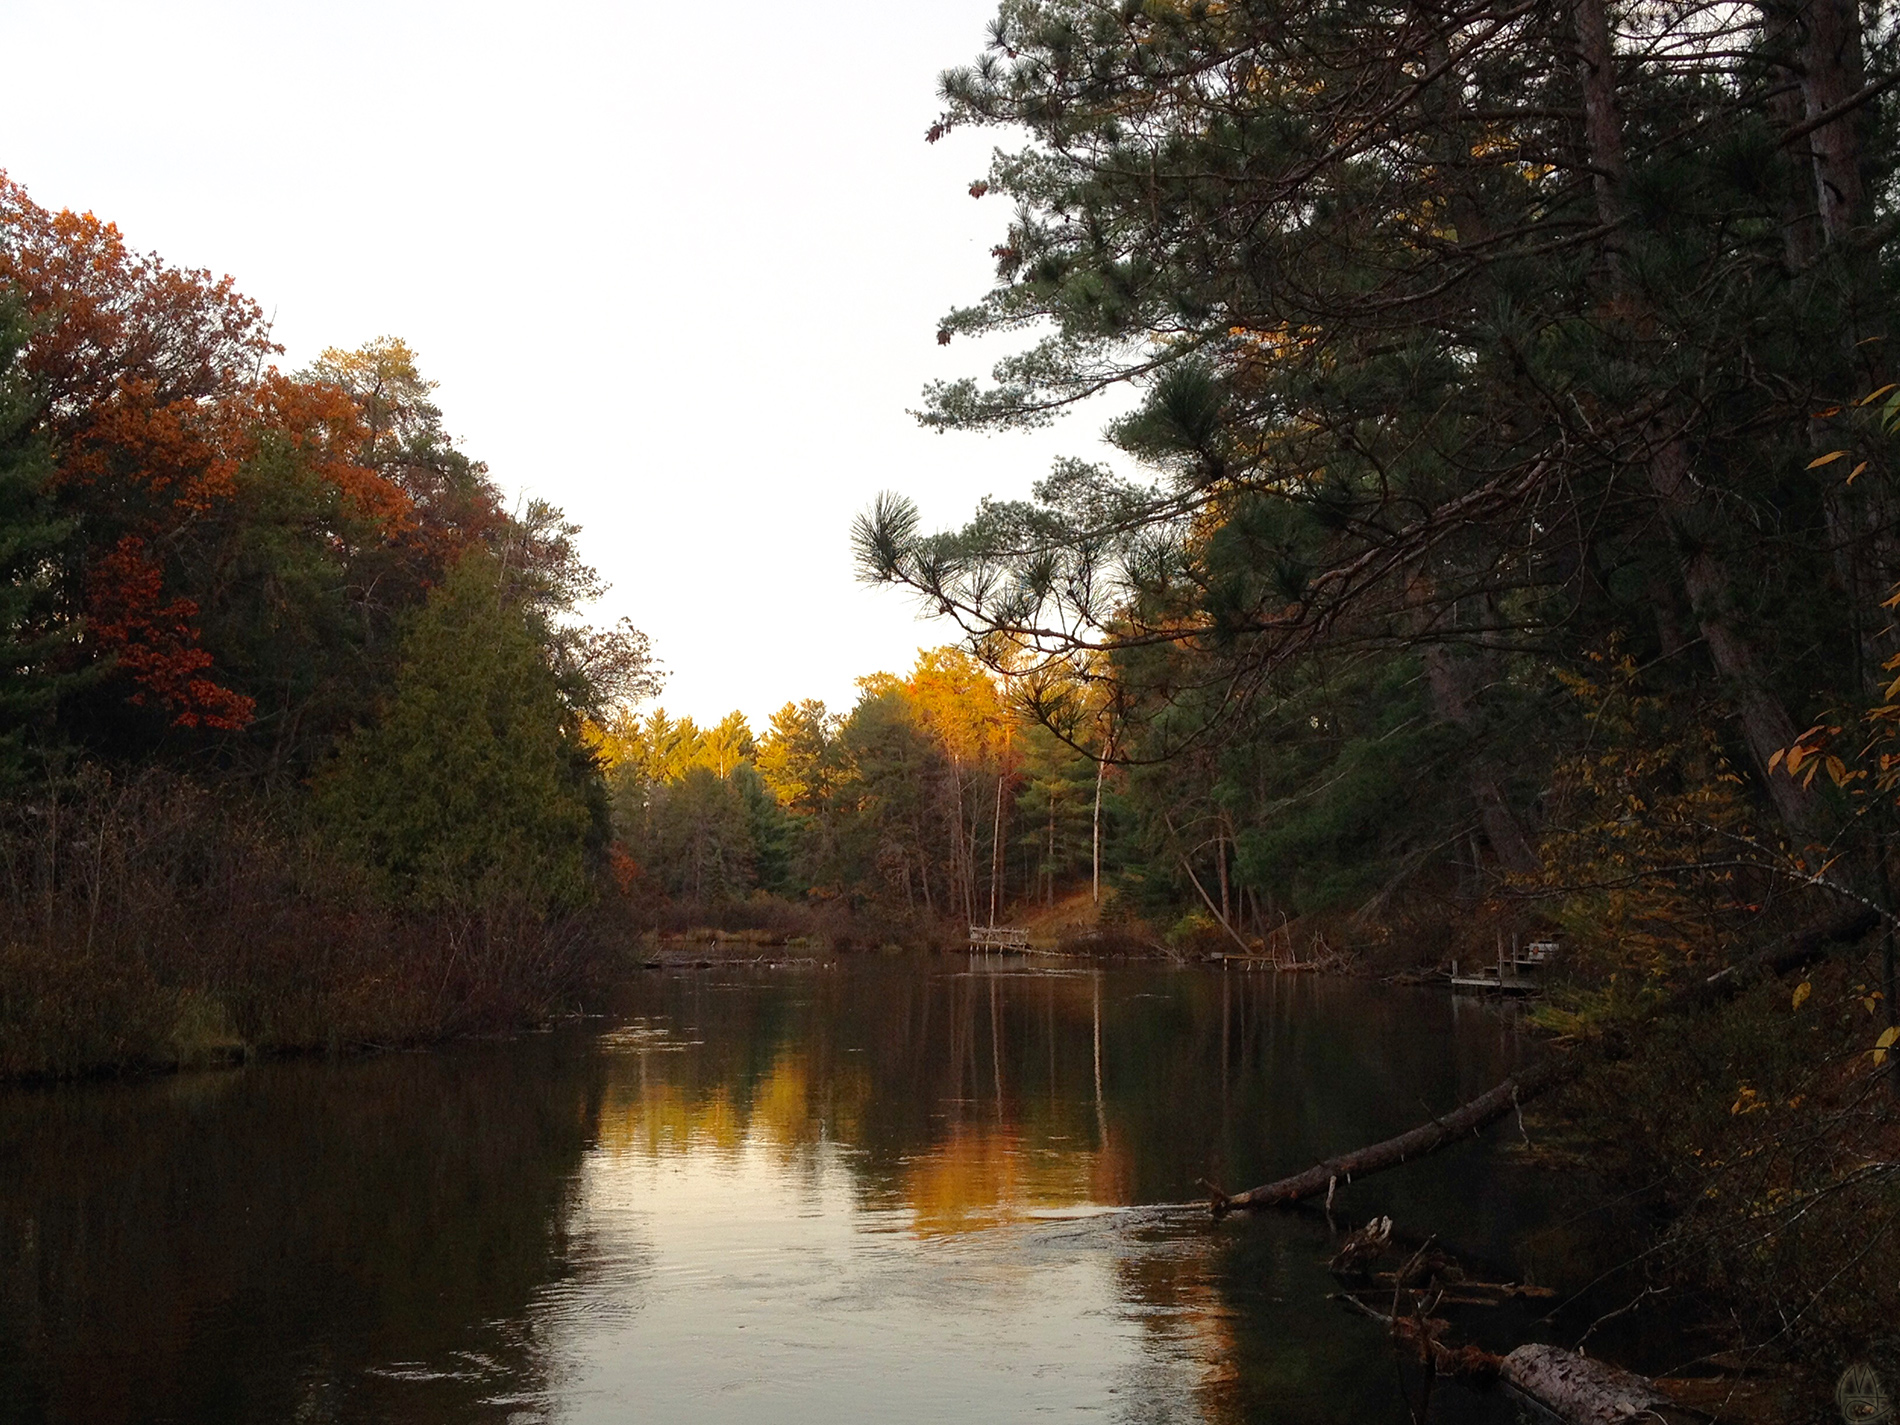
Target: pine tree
[473, 781]
[1442, 339]
[34, 549]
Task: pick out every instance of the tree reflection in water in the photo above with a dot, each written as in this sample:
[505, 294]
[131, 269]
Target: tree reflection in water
[875, 1191]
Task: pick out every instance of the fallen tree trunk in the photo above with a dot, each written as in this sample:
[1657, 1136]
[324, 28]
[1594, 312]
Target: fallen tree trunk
[1566, 1385]
[1426, 1139]
[1804, 947]
[1582, 1391]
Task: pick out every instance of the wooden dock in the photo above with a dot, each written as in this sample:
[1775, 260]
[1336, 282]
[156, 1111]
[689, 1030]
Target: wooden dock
[1515, 973]
[988, 938]
[1487, 981]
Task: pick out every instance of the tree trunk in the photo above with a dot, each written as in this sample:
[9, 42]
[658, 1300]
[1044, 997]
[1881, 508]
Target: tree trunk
[1218, 915]
[1220, 862]
[1419, 1142]
[1847, 926]
[1095, 852]
[1832, 71]
[996, 847]
[1581, 1391]
[1706, 577]
[1711, 586]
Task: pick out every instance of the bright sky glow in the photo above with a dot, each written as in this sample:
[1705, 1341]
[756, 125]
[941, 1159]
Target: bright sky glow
[676, 269]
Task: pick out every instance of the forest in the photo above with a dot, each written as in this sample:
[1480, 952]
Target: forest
[271, 640]
[1501, 543]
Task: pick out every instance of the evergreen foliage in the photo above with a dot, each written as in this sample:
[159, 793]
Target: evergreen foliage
[471, 782]
[1457, 361]
[33, 542]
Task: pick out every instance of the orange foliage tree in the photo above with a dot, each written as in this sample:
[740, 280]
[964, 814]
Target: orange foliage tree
[157, 397]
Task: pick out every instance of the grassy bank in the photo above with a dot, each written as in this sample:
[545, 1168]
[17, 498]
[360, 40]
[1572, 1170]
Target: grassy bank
[151, 922]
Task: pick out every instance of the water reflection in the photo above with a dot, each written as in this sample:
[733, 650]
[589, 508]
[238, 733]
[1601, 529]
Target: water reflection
[305, 1241]
[876, 1191]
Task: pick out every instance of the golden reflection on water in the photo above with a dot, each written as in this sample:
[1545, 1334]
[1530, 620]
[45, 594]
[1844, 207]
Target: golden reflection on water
[996, 1159]
[984, 1175]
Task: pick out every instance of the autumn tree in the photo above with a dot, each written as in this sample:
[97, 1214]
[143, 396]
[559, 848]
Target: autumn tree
[184, 462]
[401, 436]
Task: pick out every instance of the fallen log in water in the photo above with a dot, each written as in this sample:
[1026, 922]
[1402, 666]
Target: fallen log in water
[1573, 1388]
[1426, 1139]
[1581, 1391]
[1797, 950]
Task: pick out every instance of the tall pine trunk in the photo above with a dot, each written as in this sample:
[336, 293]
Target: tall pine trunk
[1711, 585]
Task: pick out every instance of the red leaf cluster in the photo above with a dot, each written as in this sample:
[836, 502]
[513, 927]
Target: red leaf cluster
[158, 391]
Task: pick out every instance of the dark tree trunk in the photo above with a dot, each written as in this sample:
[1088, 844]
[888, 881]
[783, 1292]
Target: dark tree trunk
[1706, 577]
[1451, 681]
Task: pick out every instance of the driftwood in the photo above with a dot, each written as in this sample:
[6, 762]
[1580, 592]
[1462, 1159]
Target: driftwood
[1574, 1389]
[1566, 1385]
[1418, 1336]
[1582, 1391]
[1427, 1138]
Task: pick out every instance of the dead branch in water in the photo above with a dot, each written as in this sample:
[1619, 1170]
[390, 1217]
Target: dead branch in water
[1419, 1142]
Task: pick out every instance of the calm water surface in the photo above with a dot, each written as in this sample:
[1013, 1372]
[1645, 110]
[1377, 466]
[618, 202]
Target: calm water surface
[888, 1190]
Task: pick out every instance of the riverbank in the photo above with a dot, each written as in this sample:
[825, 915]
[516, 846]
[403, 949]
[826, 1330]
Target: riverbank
[305, 977]
[154, 924]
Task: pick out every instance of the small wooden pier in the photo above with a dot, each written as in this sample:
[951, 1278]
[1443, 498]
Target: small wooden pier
[1006, 938]
[1517, 972]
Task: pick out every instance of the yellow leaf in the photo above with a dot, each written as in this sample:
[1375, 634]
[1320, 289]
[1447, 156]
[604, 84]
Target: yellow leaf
[1775, 761]
[1801, 993]
[1837, 771]
[1888, 1037]
[1827, 459]
[1855, 471]
[1869, 400]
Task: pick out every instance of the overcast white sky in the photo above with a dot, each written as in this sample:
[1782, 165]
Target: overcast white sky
[676, 267]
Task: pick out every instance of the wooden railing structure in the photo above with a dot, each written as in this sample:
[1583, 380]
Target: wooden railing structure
[987, 938]
[1515, 972]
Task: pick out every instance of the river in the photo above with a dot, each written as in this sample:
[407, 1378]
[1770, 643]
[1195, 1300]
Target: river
[886, 1189]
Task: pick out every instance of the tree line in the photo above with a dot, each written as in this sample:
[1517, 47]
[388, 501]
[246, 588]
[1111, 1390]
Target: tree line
[264, 621]
[932, 800]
